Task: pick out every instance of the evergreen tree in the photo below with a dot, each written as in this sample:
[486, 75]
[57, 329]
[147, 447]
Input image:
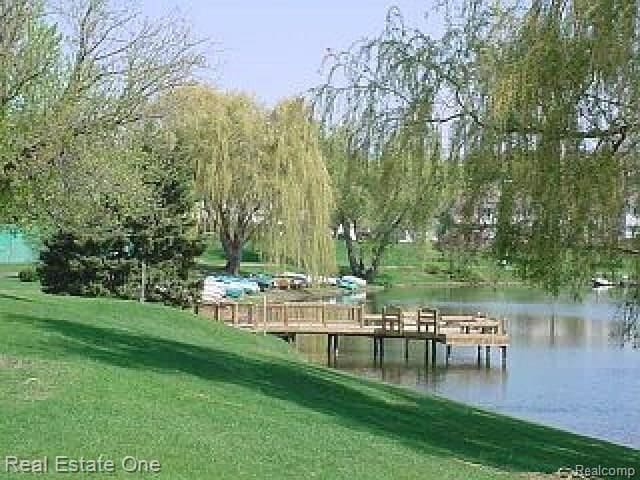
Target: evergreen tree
[149, 255]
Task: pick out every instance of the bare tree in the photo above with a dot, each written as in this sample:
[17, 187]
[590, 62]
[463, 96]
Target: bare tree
[80, 70]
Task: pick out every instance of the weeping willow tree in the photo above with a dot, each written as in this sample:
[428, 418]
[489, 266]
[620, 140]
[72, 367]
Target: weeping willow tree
[551, 132]
[385, 192]
[303, 200]
[539, 104]
[379, 107]
[260, 176]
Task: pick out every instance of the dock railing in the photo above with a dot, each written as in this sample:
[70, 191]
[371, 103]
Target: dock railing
[322, 317]
[284, 314]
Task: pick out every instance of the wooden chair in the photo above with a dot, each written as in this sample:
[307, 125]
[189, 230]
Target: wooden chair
[392, 316]
[427, 317]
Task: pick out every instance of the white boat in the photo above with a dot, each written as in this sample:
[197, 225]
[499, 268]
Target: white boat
[361, 282]
[331, 281]
[599, 282]
[297, 279]
[212, 293]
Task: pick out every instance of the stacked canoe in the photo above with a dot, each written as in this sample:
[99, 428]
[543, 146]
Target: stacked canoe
[225, 286]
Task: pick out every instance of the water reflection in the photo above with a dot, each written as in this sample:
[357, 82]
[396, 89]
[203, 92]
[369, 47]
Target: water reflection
[563, 369]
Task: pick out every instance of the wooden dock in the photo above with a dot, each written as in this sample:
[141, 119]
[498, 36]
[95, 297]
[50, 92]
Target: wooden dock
[289, 319]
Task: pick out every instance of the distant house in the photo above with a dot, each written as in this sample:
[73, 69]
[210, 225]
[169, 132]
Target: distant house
[482, 221]
[359, 234]
[630, 222]
[479, 223]
[14, 247]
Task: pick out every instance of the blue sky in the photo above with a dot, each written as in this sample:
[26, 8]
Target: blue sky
[274, 48]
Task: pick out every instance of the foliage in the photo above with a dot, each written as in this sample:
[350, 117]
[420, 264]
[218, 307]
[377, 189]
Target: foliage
[88, 266]
[398, 190]
[29, 274]
[538, 101]
[71, 80]
[147, 255]
[385, 150]
[626, 328]
[96, 184]
[259, 175]
[552, 135]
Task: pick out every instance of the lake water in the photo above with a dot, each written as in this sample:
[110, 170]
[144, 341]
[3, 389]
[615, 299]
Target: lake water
[563, 368]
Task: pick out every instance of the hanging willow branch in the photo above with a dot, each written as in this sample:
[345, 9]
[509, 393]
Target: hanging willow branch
[382, 108]
[539, 101]
[553, 135]
[378, 86]
[303, 204]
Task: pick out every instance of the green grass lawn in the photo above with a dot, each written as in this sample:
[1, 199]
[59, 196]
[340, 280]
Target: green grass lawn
[403, 264]
[84, 377]
[213, 260]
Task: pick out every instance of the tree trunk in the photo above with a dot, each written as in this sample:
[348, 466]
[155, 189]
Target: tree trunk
[143, 281]
[372, 271]
[355, 264]
[232, 247]
[232, 267]
[356, 256]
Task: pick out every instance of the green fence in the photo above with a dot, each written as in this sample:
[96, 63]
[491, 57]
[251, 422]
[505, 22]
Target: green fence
[14, 247]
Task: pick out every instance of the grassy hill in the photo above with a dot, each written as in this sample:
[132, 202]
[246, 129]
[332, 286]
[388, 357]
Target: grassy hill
[85, 377]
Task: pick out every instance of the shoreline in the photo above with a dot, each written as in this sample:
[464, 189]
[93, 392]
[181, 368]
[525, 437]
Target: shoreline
[320, 293]
[456, 283]
[438, 395]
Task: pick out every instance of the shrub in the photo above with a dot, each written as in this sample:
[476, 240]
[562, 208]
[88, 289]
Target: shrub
[28, 274]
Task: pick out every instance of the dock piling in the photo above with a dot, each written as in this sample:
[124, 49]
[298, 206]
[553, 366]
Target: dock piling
[332, 342]
[329, 349]
[426, 352]
[433, 352]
